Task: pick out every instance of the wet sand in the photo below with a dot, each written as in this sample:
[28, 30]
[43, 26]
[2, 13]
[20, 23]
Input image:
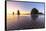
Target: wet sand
[19, 22]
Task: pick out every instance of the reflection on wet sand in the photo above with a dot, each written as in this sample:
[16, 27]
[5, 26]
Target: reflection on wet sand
[25, 22]
[34, 16]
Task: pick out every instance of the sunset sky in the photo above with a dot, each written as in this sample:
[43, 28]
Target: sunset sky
[23, 7]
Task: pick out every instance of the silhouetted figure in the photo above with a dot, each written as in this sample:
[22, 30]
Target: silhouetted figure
[13, 13]
[18, 12]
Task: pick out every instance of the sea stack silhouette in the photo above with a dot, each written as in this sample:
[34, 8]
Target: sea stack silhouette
[34, 14]
[34, 11]
[18, 12]
[13, 13]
